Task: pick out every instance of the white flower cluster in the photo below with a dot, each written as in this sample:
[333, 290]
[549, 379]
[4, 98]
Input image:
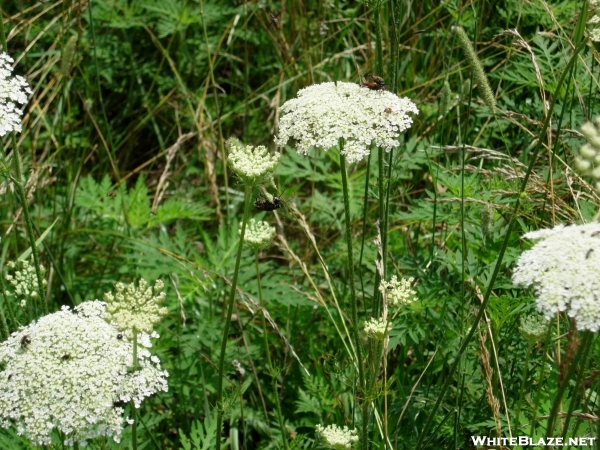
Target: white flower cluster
[254, 165]
[339, 438]
[24, 280]
[398, 292]
[324, 113]
[68, 372]
[258, 235]
[13, 91]
[564, 266]
[377, 329]
[588, 161]
[135, 307]
[594, 22]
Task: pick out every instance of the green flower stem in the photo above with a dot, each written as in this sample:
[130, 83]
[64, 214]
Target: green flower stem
[523, 378]
[23, 199]
[353, 302]
[269, 361]
[133, 413]
[247, 198]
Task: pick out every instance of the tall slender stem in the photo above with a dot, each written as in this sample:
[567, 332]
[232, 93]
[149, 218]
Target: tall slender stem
[220, 410]
[353, 302]
[269, 361]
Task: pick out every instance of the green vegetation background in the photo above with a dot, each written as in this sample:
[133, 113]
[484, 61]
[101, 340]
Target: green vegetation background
[123, 142]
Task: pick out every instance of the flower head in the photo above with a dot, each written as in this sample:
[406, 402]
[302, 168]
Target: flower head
[398, 292]
[23, 280]
[564, 268]
[594, 21]
[259, 235]
[588, 160]
[254, 165]
[377, 329]
[533, 328]
[67, 371]
[13, 91]
[338, 438]
[135, 307]
[322, 114]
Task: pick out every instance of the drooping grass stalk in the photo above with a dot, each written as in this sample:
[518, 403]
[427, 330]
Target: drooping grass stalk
[354, 301]
[509, 228]
[269, 361]
[220, 409]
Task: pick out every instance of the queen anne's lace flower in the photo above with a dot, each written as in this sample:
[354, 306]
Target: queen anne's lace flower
[254, 165]
[398, 292]
[324, 113]
[564, 268]
[68, 371]
[533, 328]
[339, 438]
[377, 329]
[588, 160]
[135, 307]
[13, 91]
[258, 235]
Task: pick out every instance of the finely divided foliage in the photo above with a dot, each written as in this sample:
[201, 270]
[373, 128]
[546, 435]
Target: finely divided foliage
[68, 371]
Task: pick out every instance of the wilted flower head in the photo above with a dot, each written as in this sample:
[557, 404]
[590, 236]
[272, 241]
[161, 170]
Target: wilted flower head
[564, 267]
[533, 328]
[588, 160]
[13, 91]
[135, 307]
[258, 235]
[377, 328]
[67, 371]
[339, 438]
[254, 165]
[398, 292]
[23, 281]
[322, 114]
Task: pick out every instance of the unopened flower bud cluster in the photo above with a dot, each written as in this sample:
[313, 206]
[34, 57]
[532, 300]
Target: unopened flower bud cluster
[377, 329]
[135, 307]
[259, 235]
[322, 114]
[13, 91]
[254, 165]
[594, 21]
[67, 372]
[23, 281]
[398, 292]
[588, 161]
[564, 268]
[533, 328]
[338, 438]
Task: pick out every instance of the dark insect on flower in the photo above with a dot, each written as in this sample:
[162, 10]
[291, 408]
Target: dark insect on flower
[375, 84]
[25, 341]
[263, 204]
[119, 336]
[65, 357]
[390, 287]
[589, 252]
[388, 110]
[111, 194]
[595, 233]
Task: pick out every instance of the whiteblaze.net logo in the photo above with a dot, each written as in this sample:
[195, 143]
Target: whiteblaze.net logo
[526, 441]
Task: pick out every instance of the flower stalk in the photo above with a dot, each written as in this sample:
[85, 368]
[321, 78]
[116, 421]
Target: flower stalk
[220, 408]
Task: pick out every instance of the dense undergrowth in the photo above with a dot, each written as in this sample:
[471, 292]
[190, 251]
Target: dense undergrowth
[123, 145]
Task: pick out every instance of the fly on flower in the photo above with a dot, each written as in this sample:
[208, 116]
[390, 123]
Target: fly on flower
[269, 202]
[376, 83]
